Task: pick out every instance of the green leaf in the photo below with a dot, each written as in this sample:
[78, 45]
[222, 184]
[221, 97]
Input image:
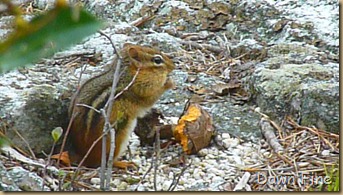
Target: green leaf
[45, 34]
[3, 142]
[56, 133]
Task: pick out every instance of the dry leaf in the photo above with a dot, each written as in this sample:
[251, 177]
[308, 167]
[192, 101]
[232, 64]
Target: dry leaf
[194, 129]
[65, 160]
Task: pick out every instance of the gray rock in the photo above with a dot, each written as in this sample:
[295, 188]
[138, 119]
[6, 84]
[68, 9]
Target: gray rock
[25, 180]
[6, 181]
[5, 24]
[31, 107]
[283, 86]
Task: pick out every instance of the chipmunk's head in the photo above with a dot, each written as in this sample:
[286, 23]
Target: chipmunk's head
[147, 57]
[153, 66]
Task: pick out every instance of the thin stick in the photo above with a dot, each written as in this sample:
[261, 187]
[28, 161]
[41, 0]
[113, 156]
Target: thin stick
[108, 106]
[90, 107]
[146, 173]
[83, 69]
[175, 183]
[26, 143]
[111, 154]
[105, 181]
[157, 157]
[103, 157]
[129, 85]
[48, 163]
[268, 133]
[113, 46]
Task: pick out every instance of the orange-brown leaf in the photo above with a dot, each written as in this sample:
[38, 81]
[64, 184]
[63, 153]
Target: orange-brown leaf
[64, 158]
[194, 129]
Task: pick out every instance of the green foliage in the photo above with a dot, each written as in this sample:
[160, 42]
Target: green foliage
[333, 174]
[3, 142]
[45, 34]
[333, 184]
[56, 133]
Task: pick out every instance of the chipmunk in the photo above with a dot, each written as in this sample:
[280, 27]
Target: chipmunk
[150, 83]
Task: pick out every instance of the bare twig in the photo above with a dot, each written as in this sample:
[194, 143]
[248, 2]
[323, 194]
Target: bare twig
[103, 178]
[26, 143]
[113, 45]
[271, 122]
[157, 156]
[73, 116]
[48, 163]
[83, 69]
[105, 182]
[176, 181]
[268, 132]
[107, 125]
[145, 174]
[111, 153]
[129, 85]
[90, 107]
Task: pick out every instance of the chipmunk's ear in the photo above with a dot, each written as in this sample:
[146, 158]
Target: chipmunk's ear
[134, 53]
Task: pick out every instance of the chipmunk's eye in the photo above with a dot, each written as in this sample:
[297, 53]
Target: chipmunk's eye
[157, 59]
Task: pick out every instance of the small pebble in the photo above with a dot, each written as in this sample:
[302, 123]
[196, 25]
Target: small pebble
[95, 180]
[203, 152]
[226, 136]
[186, 175]
[196, 160]
[212, 170]
[238, 160]
[236, 152]
[115, 182]
[266, 154]
[198, 174]
[230, 143]
[141, 188]
[216, 179]
[182, 181]
[326, 152]
[122, 186]
[166, 185]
